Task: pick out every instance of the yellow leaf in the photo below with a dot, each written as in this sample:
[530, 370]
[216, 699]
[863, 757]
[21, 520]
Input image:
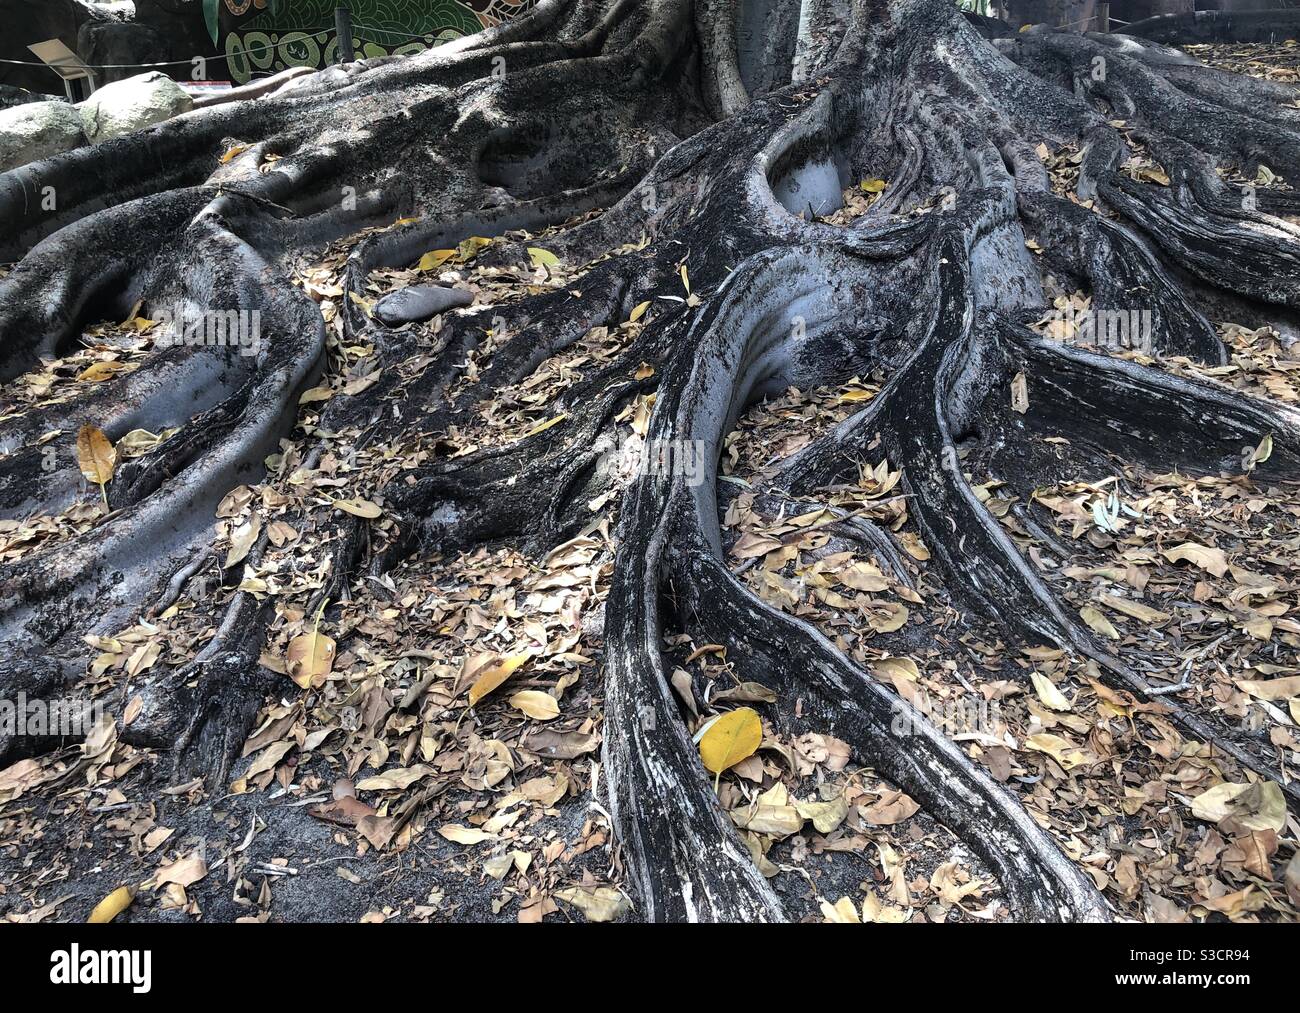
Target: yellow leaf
[469, 248]
[1259, 806]
[686, 280]
[137, 442]
[1136, 610]
[730, 739]
[542, 258]
[644, 371]
[536, 704]
[541, 427]
[1064, 753]
[495, 675]
[1048, 693]
[141, 324]
[1293, 706]
[100, 371]
[874, 185]
[96, 457]
[310, 657]
[1098, 622]
[886, 617]
[111, 906]
[316, 394]
[857, 394]
[1265, 449]
[842, 912]
[888, 668]
[638, 311]
[358, 507]
[434, 259]
[233, 152]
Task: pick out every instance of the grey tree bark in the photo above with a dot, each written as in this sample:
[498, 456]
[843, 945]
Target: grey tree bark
[654, 112]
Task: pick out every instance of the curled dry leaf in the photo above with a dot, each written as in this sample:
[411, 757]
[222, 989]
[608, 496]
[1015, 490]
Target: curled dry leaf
[1019, 394]
[747, 692]
[112, 906]
[893, 807]
[495, 675]
[842, 912]
[1272, 689]
[358, 507]
[1211, 560]
[242, 540]
[183, 872]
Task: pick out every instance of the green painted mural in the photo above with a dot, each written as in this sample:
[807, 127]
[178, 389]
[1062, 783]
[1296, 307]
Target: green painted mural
[261, 37]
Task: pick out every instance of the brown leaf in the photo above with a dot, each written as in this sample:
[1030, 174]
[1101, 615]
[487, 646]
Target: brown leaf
[893, 807]
[183, 872]
[95, 456]
[310, 658]
[559, 745]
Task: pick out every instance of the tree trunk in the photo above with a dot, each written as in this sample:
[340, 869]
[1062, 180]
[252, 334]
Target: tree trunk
[654, 114]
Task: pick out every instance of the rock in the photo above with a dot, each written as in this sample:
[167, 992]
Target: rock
[11, 96]
[133, 104]
[108, 43]
[37, 130]
[419, 302]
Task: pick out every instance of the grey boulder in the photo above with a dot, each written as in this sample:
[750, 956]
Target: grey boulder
[37, 130]
[133, 104]
[419, 302]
